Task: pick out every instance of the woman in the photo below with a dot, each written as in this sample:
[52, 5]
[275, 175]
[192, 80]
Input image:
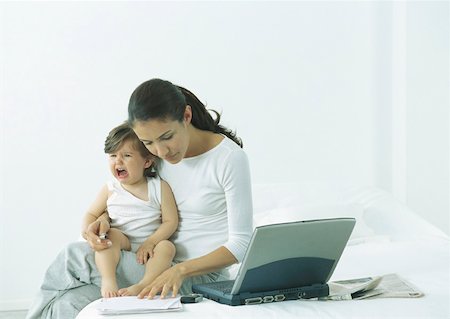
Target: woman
[208, 172]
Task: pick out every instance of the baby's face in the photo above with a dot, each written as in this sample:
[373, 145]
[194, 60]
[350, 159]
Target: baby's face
[127, 164]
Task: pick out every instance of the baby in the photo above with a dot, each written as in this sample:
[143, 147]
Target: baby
[142, 211]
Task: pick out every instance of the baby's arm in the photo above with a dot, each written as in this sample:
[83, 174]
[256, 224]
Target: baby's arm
[96, 210]
[169, 224]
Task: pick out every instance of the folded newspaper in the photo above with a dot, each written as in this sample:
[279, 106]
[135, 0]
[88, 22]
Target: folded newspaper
[134, 305]
[386, 286]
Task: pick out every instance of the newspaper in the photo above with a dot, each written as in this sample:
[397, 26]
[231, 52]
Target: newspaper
[386, 286]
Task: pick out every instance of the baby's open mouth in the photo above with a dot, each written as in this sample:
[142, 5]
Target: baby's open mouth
[121, 172]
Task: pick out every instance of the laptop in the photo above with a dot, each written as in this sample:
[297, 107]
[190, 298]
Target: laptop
[284, 262]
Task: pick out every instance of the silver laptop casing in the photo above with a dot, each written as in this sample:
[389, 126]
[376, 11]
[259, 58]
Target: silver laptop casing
[297, 257]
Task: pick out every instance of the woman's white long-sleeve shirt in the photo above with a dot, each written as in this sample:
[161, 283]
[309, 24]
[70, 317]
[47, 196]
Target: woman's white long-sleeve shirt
[213, 195]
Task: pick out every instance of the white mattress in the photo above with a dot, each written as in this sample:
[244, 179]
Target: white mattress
[389, 239]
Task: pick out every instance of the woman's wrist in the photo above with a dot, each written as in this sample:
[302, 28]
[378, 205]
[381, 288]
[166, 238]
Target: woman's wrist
[183, 269]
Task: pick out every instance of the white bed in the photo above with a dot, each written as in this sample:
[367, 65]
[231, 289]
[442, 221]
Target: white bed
[388, 238]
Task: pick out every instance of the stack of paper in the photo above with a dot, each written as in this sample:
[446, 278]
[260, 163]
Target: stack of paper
[131, 304]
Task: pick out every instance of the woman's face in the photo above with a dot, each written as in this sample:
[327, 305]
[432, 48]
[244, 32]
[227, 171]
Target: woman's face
[169, 140]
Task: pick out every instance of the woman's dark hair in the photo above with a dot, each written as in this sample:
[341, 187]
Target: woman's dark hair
[122, 133]
[160, 99]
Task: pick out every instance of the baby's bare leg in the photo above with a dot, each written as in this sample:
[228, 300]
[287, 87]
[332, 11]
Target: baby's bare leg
[162, 259]
[107, 260]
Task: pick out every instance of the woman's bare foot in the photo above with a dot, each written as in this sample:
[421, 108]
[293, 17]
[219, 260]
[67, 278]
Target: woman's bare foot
[109, 289]
[133, 290]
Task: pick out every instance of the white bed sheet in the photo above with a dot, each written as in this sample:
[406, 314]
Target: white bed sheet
[424, 263]
[390, 239]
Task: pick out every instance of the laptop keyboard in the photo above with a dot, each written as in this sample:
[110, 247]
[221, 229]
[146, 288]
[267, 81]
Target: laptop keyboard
[223, 286]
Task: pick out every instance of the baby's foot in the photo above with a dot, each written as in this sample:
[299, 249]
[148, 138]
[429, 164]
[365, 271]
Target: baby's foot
[109, 289]
[133, 290]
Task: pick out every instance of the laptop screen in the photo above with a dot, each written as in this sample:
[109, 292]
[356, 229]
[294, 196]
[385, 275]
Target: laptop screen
[283, 256]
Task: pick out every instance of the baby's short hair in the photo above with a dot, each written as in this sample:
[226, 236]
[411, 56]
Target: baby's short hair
[118, 135]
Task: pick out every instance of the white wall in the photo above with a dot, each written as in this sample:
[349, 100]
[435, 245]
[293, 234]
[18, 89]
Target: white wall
[307, 85]
[428, 100]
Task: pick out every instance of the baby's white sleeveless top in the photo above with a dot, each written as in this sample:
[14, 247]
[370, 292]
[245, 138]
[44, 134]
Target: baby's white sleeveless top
[136, 218]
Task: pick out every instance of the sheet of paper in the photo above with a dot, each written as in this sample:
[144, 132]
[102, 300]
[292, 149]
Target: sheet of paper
[132, 304]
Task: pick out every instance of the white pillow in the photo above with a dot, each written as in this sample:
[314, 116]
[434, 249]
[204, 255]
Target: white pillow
[388, 217]
[323, 211]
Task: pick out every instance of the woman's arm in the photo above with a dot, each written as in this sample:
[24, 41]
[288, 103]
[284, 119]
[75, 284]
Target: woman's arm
[237, 187]
[218, 259]
[172, 278]
[169, 224]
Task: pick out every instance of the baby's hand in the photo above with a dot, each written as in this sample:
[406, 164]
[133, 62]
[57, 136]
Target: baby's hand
[93, 233]
[145, 251]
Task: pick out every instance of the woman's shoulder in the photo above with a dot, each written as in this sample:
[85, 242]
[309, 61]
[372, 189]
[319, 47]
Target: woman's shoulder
[229, 155]
[230, 147]
[220, 147]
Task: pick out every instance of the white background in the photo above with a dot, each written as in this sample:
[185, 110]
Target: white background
[352, 92]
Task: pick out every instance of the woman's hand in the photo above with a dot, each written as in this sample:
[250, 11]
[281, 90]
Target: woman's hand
[145, 251]
[94, 230]
[169, 280]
